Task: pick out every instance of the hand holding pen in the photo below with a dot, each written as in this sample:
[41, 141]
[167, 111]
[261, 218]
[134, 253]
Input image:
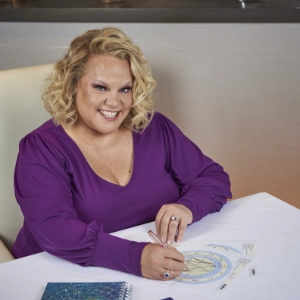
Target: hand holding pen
[156, 240]
[160, 261]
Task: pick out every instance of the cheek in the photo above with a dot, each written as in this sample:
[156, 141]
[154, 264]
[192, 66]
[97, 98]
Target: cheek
[128, 101]
[84, 103]
[125, 102]
[92, 99]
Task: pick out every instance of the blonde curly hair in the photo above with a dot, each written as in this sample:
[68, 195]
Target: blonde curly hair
[61, 85]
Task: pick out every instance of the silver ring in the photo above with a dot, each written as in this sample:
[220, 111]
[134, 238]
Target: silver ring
[175, 219]
[167, 274]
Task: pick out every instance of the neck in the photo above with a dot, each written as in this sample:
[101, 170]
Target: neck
[93, 139]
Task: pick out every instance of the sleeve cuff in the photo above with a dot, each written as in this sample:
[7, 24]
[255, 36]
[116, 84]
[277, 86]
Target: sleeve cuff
[118, 254]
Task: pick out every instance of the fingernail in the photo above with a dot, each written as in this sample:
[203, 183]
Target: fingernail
[162, 239]
[178, 241]
[169, 241]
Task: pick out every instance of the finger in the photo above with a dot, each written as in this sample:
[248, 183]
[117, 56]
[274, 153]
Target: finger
[174, 268]
[158, 220]
[181, 229]
[161, 221]
[164, 226]
[174, 265]
[172, 274]
[173, 254]
[173, 226]
[167, 231]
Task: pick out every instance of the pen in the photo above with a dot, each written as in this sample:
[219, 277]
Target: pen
[156, 240]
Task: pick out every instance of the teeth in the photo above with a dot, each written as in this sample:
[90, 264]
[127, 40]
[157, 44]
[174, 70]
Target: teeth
[108, 114]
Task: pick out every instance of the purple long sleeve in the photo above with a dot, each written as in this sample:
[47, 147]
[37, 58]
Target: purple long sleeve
[69, 210]
[203, 184]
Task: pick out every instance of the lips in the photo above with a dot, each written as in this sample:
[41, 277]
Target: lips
[108, 114]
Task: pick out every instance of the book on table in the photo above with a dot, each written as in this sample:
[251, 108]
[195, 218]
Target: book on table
[119, 290]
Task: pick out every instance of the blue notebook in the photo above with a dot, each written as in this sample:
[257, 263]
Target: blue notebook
[87, 291]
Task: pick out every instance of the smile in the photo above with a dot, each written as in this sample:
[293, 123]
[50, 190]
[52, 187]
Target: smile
[108, 114]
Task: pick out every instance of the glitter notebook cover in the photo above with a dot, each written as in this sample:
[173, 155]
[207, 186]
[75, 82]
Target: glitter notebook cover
[87, 291]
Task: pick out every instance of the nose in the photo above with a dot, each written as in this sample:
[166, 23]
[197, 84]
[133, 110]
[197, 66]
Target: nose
[112, 99]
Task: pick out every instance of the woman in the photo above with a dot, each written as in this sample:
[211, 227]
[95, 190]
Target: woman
[106, 162]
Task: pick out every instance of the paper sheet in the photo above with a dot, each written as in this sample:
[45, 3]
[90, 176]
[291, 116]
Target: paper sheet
[213, 266]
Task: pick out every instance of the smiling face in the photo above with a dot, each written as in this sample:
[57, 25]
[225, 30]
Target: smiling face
[104, 95]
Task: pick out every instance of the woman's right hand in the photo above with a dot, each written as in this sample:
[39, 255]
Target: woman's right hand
[156, 260]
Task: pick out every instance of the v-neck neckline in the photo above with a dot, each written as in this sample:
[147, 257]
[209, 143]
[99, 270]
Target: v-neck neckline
[73, 144]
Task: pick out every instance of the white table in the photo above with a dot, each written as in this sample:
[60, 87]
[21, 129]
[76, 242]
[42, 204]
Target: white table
[273, 224]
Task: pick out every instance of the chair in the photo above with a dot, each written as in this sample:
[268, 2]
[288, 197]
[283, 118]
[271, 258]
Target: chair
[21, 111]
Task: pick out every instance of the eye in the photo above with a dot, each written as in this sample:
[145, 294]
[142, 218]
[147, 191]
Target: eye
[126, 89]
[100, 87]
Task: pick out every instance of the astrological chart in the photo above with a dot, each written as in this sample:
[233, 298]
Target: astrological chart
[245, 247]
[204, 266]
[215, 266]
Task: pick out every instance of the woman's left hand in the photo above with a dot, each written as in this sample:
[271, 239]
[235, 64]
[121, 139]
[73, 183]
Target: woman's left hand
[171, 222]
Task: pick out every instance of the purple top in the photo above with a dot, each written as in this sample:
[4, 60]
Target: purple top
[69, 211]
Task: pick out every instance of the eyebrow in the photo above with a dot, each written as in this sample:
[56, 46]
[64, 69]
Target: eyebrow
[103, 82]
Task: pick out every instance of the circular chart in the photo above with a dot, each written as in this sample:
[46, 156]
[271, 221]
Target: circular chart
[204, 266]
[224, 247]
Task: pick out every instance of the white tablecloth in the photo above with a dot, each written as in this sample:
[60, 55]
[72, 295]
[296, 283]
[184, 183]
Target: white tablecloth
[272, 224]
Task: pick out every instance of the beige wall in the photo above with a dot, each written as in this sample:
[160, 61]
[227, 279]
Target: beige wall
[234, 89]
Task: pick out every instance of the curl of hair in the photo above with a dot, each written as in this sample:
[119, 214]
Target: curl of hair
[61, 85]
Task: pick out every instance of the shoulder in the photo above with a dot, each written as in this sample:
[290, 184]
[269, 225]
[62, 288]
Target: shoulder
[162, 131]
[160, 120]
[40, 138]
[163, 125]
[159, 117]
[44, 129]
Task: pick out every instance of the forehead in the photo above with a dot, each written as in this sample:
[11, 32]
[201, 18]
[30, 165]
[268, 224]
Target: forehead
[105, 64]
